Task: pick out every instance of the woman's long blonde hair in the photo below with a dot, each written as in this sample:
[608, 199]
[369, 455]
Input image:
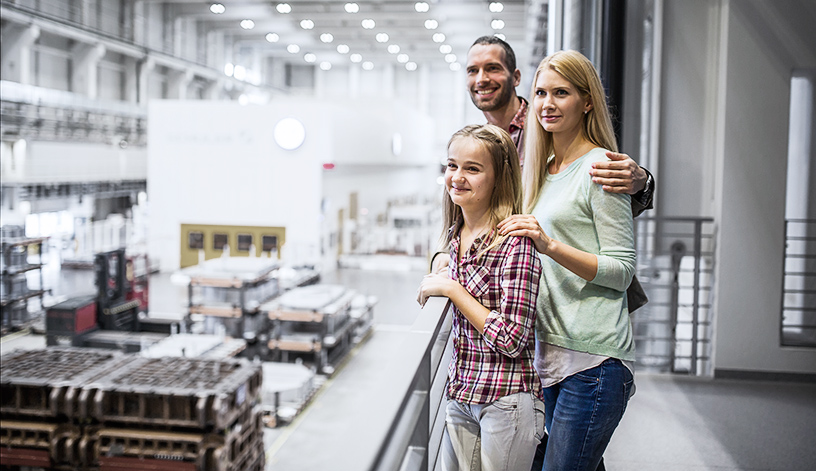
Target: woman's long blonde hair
[506, 198]
[596, 125]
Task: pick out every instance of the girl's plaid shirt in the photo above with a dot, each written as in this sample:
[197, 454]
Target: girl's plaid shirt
[499, 362]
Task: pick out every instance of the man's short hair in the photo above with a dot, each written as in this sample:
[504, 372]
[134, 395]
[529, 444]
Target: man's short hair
[509, 55]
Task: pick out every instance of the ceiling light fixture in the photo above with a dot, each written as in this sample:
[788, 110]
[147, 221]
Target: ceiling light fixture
[309, 57]
[431, 24]
[343, 48]
[240, 72]
[497, 24]
[456, 67]
[438, 38]
[307, 24]
[283, 8]
[293, 48]
[229, 69]
[326, 37]
[351, 7]
[393, 48]
[368, 23]
[412, 66]
[450, 58]
[368, 65]
[402, 58]
[496, 7]
[356, 58]
[422, 7]
[382, 38]
[325, 65]
[247, 24]
[217, 8]
[272, 37]
[501, 36]
[445, 49]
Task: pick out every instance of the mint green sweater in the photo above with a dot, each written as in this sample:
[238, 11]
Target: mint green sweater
[586, 316]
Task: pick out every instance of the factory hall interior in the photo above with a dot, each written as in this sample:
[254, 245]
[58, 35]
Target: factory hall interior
[246, 235]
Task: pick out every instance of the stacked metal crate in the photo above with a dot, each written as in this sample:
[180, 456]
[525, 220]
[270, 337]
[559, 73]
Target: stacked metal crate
[14, 267]
[70, 408]
[320, 321]
[226, 293]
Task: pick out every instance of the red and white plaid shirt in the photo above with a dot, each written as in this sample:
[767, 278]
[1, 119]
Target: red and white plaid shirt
[517, 128]
[499, 362]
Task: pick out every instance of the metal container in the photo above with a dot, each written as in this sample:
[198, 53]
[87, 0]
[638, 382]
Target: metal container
[71, 317]
[9, 231]
[45, 382]
[174, 392]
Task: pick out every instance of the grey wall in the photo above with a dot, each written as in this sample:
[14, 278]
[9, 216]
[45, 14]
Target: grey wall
[687, 126]
[724, 141]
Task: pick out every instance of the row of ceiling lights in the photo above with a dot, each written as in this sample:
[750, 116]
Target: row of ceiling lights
[368, 23]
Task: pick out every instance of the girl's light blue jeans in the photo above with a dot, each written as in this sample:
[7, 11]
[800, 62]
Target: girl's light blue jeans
[499, 436]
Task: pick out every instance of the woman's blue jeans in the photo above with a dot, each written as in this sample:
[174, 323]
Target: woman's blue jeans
[582, 411]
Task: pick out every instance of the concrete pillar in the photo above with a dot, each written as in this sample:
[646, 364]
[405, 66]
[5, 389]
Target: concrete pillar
[388, 82]
[131, 80]
[354, 81]
[179, 81]
[84, 76]
[145, 68]
[319, 82]
[423, 88]
[86, 11]
[213, 89]
[555, 26]
[15, 53]
[215, 49]
[139, 12]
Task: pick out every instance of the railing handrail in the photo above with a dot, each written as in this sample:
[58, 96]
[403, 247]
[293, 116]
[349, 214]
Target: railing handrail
[413, 420]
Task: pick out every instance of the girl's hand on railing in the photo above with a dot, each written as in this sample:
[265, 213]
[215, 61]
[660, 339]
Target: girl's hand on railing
[434, 284]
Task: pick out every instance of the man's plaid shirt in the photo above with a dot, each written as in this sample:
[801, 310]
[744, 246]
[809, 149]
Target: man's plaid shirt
[486, 367]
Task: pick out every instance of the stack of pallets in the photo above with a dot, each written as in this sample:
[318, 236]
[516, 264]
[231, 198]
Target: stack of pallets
[83, 409]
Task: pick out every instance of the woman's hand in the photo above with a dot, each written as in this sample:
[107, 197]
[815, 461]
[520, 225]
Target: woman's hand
[526, 225]
[434, 284]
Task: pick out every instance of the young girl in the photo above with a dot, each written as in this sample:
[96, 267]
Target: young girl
[586, 240]
[494, 413]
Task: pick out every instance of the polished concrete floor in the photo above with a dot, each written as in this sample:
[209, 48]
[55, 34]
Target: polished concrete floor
[672, 423]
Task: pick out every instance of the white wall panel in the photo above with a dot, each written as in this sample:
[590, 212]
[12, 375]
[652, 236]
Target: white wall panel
[217, 163]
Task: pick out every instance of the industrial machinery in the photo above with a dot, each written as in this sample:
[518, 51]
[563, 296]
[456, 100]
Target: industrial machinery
[70, 408]
[120, 305]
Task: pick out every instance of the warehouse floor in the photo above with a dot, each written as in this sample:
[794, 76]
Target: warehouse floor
[672, 422]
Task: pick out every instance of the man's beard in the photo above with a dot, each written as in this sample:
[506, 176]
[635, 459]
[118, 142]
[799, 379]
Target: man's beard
[496, 103]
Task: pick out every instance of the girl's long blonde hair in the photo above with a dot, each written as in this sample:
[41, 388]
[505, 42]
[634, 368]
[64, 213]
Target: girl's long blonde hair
[596, 126]
[506, 198]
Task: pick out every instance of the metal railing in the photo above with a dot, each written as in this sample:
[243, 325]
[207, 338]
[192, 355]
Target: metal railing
[673, 332]
[414, 438]
[798, 313]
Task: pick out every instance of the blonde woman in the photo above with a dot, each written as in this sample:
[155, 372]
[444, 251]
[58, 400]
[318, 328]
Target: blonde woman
[494, 414]
[585, 239]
